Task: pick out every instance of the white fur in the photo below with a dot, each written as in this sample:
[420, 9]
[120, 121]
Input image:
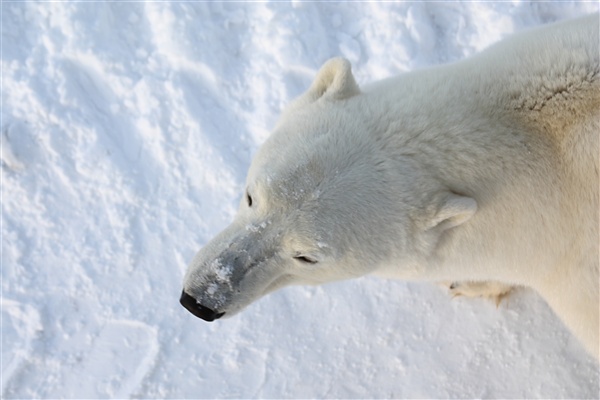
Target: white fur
[482, 170]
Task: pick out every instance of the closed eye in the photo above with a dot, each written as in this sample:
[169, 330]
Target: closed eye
[248, 199]
[305, 259]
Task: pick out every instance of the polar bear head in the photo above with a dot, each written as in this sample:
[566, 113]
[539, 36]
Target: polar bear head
[328, 197]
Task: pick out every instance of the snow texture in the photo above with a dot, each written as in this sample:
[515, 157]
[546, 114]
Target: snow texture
[126, 132]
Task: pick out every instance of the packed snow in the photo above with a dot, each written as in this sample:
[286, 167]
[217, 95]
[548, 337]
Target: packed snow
[127, 129]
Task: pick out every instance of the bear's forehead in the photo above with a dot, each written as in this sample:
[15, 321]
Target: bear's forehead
[294, 182]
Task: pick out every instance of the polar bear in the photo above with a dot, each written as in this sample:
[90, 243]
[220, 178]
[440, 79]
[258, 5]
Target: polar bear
[483, 172]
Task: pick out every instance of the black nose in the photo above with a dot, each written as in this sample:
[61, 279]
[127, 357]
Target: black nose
[198, 310]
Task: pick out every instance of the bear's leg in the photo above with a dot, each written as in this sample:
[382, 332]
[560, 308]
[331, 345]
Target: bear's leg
[492, 290]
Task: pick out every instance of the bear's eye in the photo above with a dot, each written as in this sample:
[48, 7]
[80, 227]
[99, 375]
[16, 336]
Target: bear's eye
[305, 259]
[248, 199]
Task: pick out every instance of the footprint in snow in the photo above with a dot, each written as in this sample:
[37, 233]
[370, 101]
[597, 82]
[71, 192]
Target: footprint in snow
[120, 356]
[20, 325]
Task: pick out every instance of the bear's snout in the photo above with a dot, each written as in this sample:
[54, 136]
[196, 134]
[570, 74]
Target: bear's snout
[198, 309]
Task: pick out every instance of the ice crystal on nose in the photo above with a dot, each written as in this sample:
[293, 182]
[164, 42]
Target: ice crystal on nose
[221, 272]
[211, 289]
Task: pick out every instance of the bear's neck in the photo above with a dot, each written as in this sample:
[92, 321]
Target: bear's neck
[464, 144]
[454, 132]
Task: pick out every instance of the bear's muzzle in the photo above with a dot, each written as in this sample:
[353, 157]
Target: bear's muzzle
[198, 309]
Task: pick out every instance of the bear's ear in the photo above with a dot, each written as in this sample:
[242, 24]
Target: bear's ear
[334, 81]
[453, 211]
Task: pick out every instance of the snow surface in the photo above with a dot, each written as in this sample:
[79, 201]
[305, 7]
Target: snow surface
[127, 129]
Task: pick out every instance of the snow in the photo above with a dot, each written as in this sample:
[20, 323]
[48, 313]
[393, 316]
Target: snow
[127, 129]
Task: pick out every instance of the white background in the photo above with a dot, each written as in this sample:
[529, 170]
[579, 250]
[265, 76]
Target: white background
[127, 129]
